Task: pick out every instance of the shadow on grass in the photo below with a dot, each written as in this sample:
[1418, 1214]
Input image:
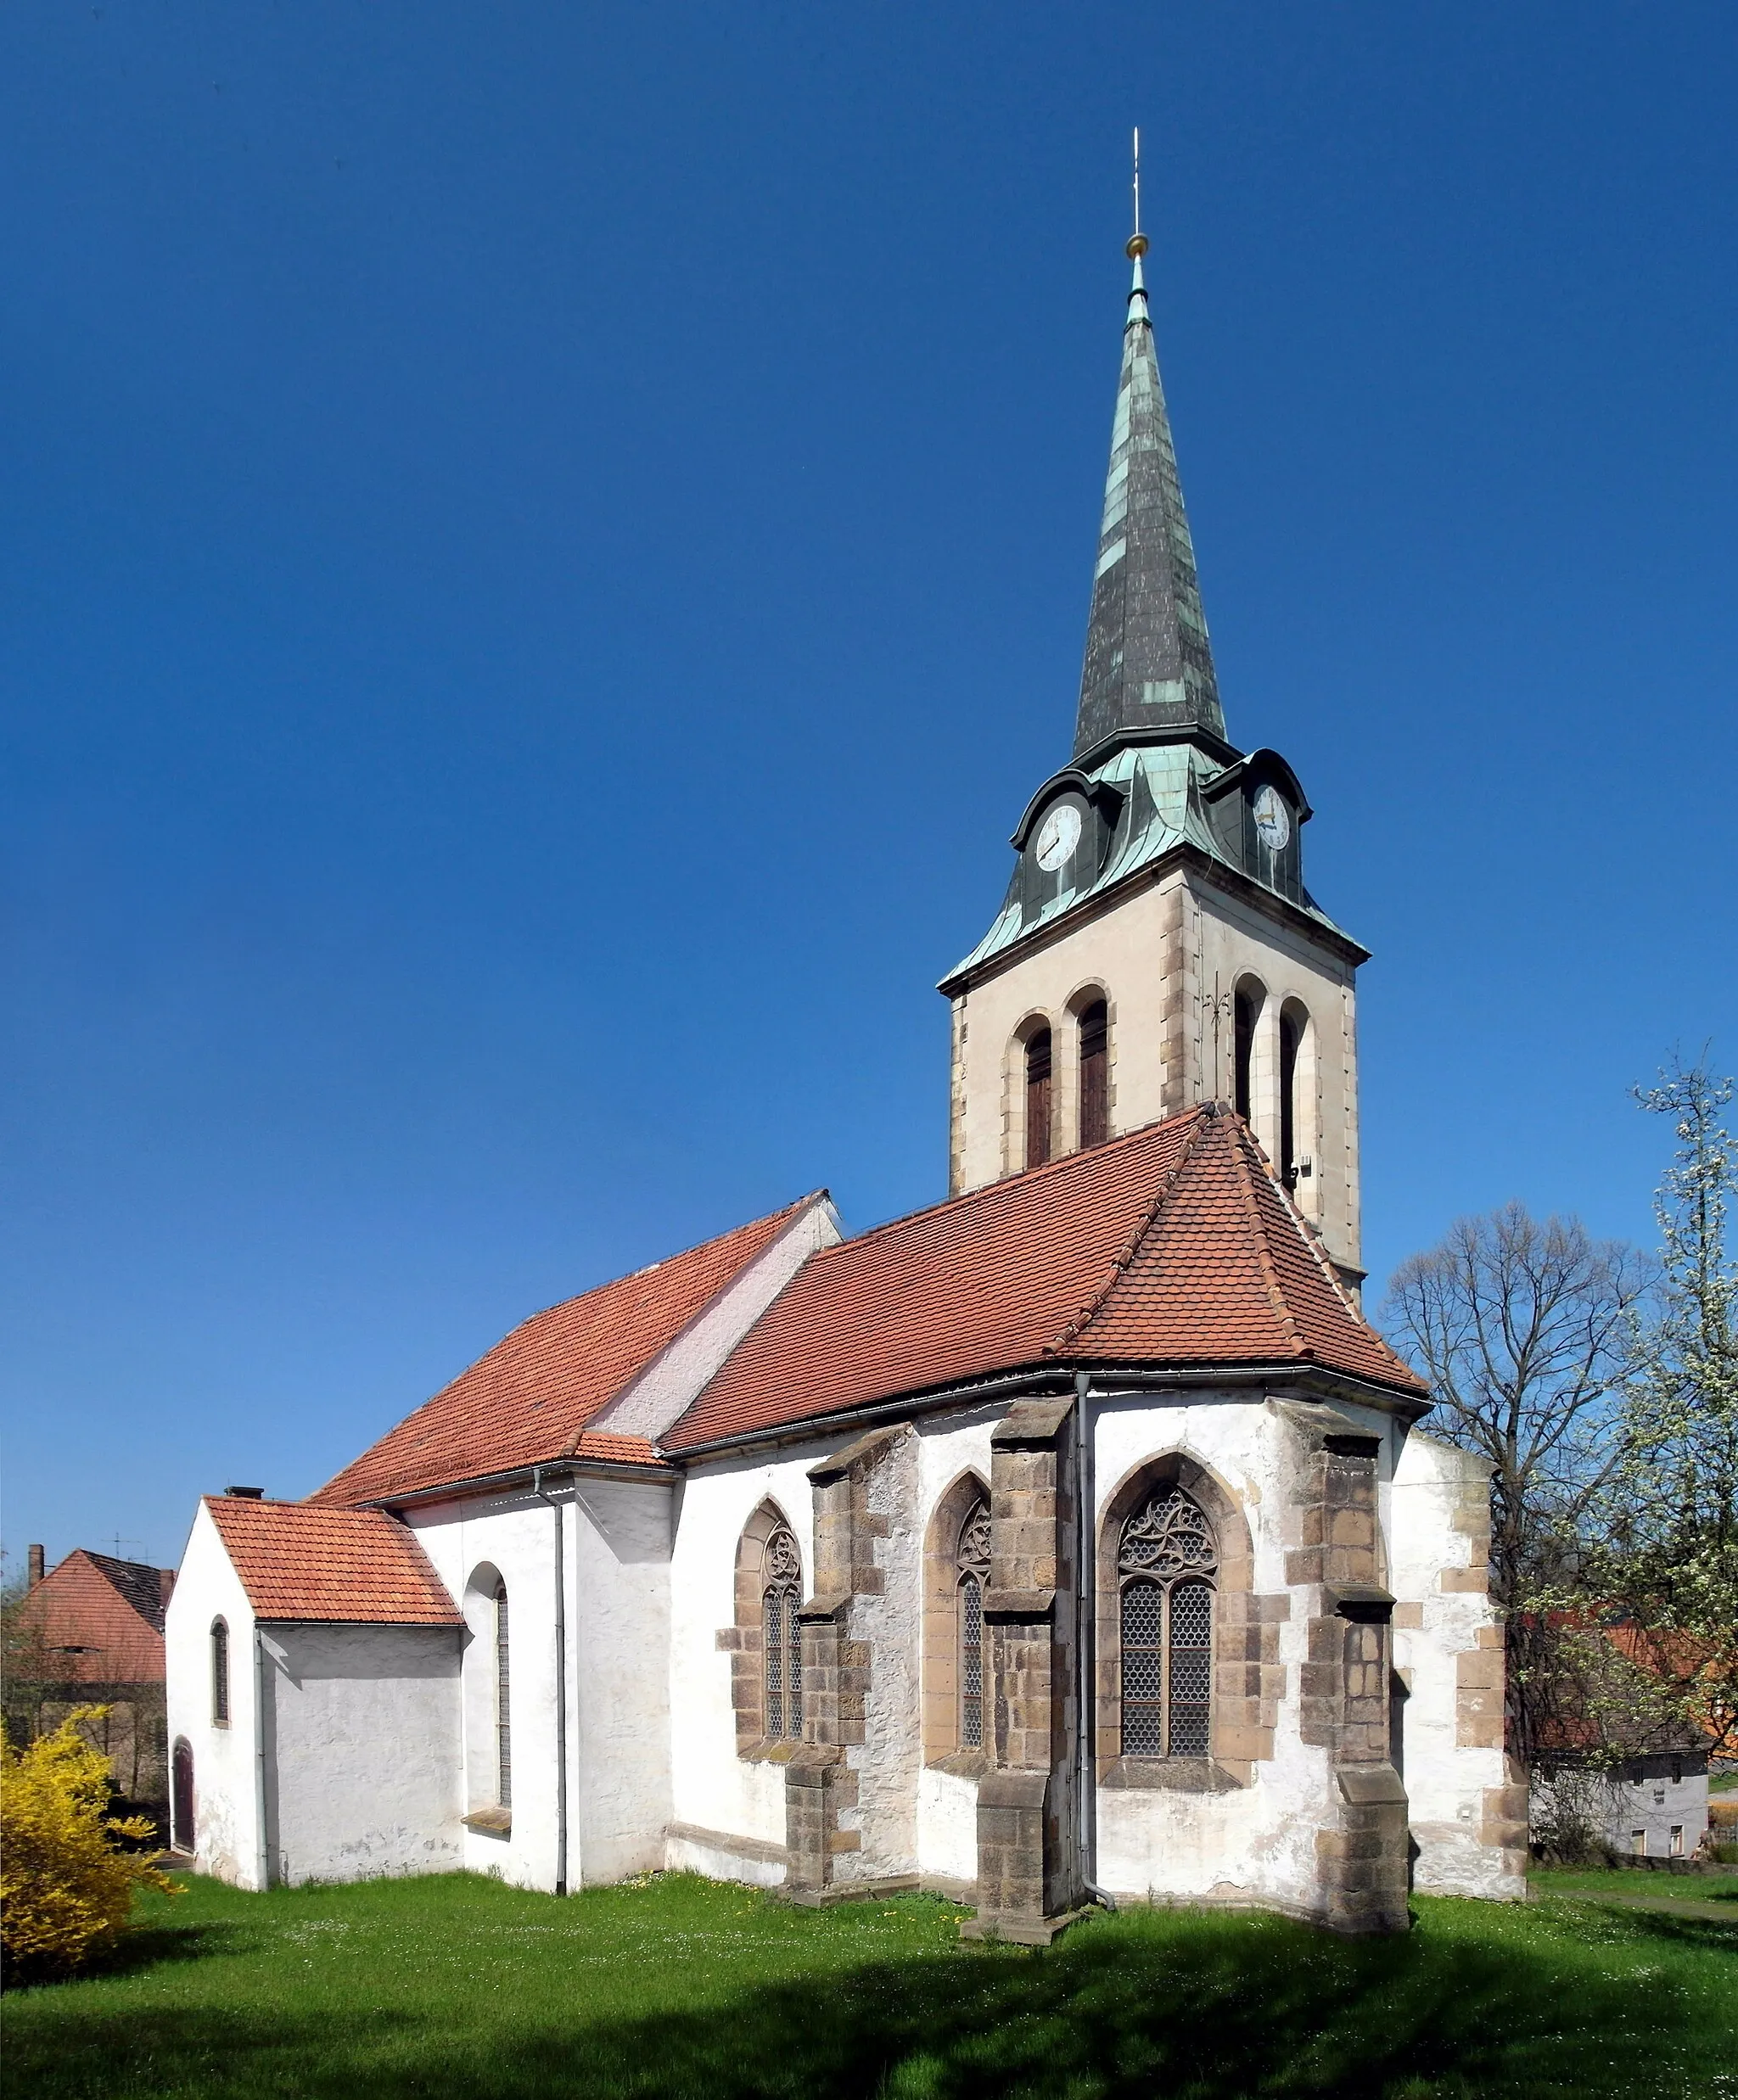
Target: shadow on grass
[1223, 2011]
[147, 1948]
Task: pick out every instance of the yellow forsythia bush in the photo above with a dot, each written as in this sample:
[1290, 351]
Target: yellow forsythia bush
[65, 1888]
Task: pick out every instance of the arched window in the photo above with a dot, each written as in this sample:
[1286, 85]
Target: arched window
[1166, 1561]
[503, 1701]
[972, 1559]
[181, 1796]
[782, 1636]
[220, 1672]
[1291, 1035]
[1094, 1073]
[1037, 1098]
[1244, 1012]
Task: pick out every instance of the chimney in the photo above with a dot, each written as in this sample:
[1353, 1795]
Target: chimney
[165, 1584]
[247, 1494]
[33, 1559]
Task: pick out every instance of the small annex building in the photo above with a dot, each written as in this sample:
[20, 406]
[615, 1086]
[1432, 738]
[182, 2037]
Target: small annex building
[1075, 1536]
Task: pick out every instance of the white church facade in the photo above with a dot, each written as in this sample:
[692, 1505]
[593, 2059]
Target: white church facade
[1072, 1540]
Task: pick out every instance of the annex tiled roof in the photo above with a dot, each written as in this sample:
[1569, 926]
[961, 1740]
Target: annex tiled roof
[528, 1401]
[1173, 1246]
[354, 1567]
[98, 1621]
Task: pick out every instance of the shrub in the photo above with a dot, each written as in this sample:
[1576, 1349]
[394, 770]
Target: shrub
[67, 1889]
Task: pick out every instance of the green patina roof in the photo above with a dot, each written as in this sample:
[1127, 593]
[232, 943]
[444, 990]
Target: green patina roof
[1161, 785]
[1149, 725]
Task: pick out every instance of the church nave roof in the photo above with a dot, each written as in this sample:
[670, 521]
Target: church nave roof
[1173, 1247]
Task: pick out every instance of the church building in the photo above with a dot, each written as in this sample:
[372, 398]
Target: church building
[1073, 1540]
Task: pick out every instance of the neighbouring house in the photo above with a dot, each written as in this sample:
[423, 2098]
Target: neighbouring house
[1651, 1806]
[1073, 1537]
[89, 1632]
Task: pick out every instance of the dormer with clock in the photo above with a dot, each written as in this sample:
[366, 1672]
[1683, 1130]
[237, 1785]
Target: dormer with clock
[1157, 945]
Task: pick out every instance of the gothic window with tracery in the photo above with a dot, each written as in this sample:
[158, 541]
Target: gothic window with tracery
[1166, 1561]
[783, 1638]
[973, 1561]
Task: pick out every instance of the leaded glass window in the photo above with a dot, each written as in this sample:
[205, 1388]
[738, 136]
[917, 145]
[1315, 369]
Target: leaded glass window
[782, 1635]
[503, 1702]
[220, 1672]
[972, 1560]
[1166, 1560]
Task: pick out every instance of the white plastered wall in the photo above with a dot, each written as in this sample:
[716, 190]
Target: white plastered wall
[226, 1774]
[1436, 1624]
[911, 1817]
[361, 1750]
[1123, 951]
[1253, 1845]
[514, 1535]
[615, 1559]
[713, 1790]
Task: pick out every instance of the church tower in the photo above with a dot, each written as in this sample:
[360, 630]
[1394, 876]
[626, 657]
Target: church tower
[1157, 946]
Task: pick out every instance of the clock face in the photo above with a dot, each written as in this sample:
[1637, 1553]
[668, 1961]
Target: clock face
[1273, 820]
[1057, 835]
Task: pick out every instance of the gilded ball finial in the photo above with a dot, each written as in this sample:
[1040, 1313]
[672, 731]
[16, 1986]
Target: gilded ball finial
[1136, 248]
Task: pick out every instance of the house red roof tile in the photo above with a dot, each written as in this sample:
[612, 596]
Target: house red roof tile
[528, 1401]
[354, 1567]
[1172, 1246]
[98, 1621]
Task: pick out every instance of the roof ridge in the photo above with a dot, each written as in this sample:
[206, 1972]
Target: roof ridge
[1244, 1140]
[1123, 1140]
[1204, 1114]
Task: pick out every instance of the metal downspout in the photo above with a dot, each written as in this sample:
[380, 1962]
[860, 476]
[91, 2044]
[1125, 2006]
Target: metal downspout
[265, 1849]
[560, 1678]
[1085, 1631]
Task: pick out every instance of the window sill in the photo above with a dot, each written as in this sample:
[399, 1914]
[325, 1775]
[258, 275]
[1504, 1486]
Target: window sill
[964, 1764]
[1171, 1775]
[492, 1822]
[771, 1750]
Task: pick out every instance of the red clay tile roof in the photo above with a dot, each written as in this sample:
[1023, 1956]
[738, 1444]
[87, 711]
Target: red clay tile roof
[99, 1620]
[1173, 1246]
[528, 1401]
[355, 1567]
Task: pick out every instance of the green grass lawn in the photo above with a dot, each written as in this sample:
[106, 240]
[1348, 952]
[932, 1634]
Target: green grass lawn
[678, 1986]
[1635, 1881]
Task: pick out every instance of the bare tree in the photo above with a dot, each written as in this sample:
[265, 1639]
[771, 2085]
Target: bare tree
[1523, 1329]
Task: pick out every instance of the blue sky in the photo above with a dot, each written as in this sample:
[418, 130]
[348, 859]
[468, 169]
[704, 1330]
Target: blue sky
[544, 549]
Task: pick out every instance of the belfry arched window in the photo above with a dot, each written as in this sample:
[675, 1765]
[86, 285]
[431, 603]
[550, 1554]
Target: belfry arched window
[1244, 1008]
[503, 1701]
[220, 1672]
[782, 1636]
[1038, 1097]
[1094, 1073]
[1297, 1094]
[1167, 1560]
[973, 1561]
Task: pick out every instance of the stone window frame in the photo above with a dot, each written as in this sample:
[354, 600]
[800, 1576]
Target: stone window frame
[943, 1585]
[220, 1672]
[1015, 1147]
[1247, 1677]
[1093, 992]
[745, 1641]
[486, 1701]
